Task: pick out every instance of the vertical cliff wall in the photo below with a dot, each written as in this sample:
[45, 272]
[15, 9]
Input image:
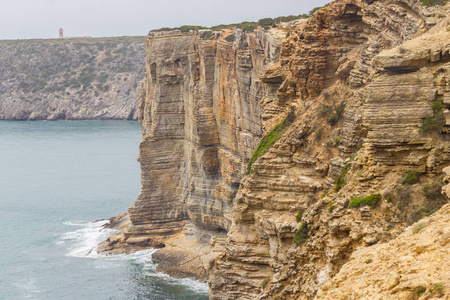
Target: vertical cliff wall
[200, 122]
[357, 132]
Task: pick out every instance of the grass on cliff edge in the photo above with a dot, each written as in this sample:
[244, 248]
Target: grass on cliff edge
[246, 26]
[269, 139]
[434, 2]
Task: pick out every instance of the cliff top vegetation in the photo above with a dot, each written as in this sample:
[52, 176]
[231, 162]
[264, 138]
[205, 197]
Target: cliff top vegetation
[246, 26]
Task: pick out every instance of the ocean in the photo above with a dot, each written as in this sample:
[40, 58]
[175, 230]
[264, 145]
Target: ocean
[56, 179]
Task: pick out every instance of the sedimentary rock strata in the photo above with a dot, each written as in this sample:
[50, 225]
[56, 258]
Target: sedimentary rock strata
[334, 57]
[201, 120]
[364, 86]
[413, 266]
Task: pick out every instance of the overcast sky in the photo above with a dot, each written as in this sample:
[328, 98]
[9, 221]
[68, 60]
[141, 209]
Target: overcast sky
[22, 19]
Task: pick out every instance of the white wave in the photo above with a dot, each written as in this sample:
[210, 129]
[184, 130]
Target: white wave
[84, 244]
[194, 285]
[145, 259]
[85, 239]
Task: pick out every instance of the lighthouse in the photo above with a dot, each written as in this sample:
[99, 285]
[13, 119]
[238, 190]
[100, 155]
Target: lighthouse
[61, 33]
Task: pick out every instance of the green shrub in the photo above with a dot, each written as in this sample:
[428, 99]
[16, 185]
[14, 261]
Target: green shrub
[340, 108]
[332, 112]
[370, 201]
[230, 38]
[421, 291]
[432, 190]
[299, 215]
[266, 23]
[402, 193]
[434, 2]
[268, 140]
[123, 69]
[103, 77]
[187, 28]
[312, 11]
[290, 18]
[436, 121]
[329, 145]
[340, 181]
[301, 235]
[373, 199]
[431, 208]
[318, 133]
[437, 288]
[356, 202]
[331, 206]
[337, 114]
[325, 110]
[247, 26]
[292, 84]
[410, 177]
[207, 35]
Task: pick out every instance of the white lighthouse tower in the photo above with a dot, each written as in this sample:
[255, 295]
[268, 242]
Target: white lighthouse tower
[61, 35]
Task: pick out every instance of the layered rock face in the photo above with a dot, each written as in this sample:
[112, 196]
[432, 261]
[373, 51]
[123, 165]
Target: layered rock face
[70, 79]
[368, 84]
[413, 266]
[200, 122]
[331, 59]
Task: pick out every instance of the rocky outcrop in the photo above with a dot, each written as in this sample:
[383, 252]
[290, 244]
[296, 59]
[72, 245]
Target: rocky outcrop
[332, 60]
[413, 266]
[70, 79]
[361, 160]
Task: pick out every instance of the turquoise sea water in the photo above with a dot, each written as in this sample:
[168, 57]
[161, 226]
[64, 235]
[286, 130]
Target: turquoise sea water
[55, 179]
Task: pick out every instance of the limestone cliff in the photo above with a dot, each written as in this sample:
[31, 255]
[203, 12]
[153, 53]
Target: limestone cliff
[353, 110]
[413, 266]
[329, 159]
[201, 120]
[70, 79]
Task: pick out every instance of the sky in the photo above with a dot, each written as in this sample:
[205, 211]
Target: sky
[25, 19]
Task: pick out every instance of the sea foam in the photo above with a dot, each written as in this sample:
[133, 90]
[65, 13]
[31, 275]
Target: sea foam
[84, 241]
